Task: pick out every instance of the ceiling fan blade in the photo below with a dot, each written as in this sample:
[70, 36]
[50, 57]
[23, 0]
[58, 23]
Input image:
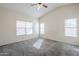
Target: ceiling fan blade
[45, 6]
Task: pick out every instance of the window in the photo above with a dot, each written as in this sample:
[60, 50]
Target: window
[23, 28]
[20, 28]
[28, 28]
[71, 27]
[42, 28]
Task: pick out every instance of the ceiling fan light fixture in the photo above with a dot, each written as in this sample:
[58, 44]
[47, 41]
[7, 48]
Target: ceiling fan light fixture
[39, 6]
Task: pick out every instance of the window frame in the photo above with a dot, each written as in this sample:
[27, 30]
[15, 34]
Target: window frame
[25, 27]
[72, 27]
[42, 28]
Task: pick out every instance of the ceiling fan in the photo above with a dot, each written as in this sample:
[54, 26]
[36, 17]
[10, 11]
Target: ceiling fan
[39, 5]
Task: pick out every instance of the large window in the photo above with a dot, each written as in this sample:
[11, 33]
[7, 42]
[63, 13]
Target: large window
[23, 28]
[42, 28]
[20, 28]
[28, 28]
[71, 27]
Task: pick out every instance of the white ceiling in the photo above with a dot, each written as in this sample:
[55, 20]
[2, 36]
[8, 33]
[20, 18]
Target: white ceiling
[25, 8]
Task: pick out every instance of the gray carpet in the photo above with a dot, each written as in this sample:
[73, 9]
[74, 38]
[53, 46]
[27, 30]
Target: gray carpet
[39, 47]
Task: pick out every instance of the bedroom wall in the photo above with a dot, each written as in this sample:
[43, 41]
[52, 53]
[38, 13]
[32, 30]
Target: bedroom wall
[55, 20]
[8, 20]
[0, 25]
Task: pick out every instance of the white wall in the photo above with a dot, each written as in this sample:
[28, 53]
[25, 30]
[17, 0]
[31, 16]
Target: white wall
[8, 20]
[0, 25]
[54, 23]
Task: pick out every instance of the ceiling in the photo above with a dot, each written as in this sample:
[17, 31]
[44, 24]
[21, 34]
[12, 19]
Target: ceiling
[29, 10]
